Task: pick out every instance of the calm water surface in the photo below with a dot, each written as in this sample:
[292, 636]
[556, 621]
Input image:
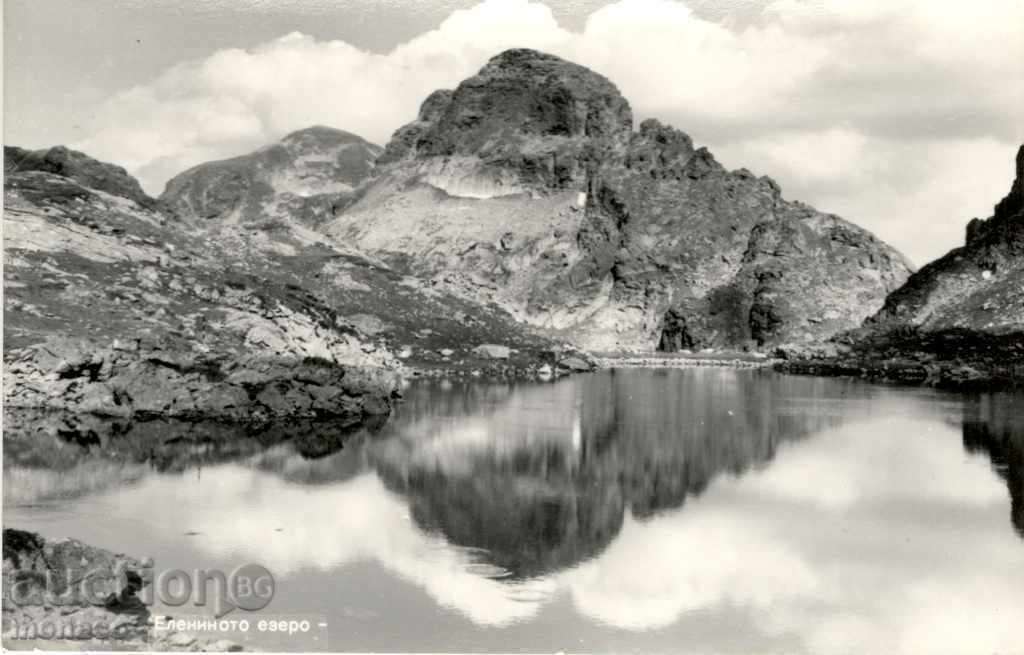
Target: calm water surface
[703, 510]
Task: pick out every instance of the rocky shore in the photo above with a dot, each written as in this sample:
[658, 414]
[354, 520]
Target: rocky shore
[139, 378]
[683, 360]
[961, 360]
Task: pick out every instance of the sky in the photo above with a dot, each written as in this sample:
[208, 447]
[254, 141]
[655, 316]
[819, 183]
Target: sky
[902, 116]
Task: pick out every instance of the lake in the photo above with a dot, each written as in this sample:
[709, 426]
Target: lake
[692, 510]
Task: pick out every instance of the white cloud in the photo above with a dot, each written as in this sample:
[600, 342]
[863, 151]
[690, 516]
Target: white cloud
[357, 520]
[872, 109]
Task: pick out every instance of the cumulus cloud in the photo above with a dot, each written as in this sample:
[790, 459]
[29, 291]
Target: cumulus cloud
[875, 110]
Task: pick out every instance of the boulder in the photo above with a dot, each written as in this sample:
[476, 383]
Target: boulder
[493, 351]
[575, 364]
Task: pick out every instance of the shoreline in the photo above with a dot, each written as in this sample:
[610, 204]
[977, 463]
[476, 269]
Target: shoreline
[949, 375]
[670, 360]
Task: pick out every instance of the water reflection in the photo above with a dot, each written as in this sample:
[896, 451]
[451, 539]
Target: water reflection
[993, 425]
[635, 509]
[541, 480]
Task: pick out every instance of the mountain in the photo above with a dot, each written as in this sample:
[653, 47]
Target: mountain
[528, 186]
[959, 320]
[306, 178]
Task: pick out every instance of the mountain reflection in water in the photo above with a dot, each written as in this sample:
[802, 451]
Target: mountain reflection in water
[540, 479]
[729, 507]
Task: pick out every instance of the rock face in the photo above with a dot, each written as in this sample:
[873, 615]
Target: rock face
[78, 167]
[527, 186]
[307, 177]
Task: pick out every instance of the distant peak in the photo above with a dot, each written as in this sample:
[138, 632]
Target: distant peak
[323, 133]
[519, 61]
[513, 55]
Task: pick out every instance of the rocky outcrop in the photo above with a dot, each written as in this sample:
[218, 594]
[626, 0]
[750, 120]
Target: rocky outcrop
[306, 178]
[79, 167]
[527, 186]
[138, 378]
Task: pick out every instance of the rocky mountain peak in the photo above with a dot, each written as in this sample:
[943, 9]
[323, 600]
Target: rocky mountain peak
[663, 152]
[1013, 203]
[1009, 209]
[320, 137]
[538, 94]
[79, 167]
[531, 120]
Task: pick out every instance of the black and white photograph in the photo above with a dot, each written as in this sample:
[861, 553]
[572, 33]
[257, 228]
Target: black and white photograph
[513, 326]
